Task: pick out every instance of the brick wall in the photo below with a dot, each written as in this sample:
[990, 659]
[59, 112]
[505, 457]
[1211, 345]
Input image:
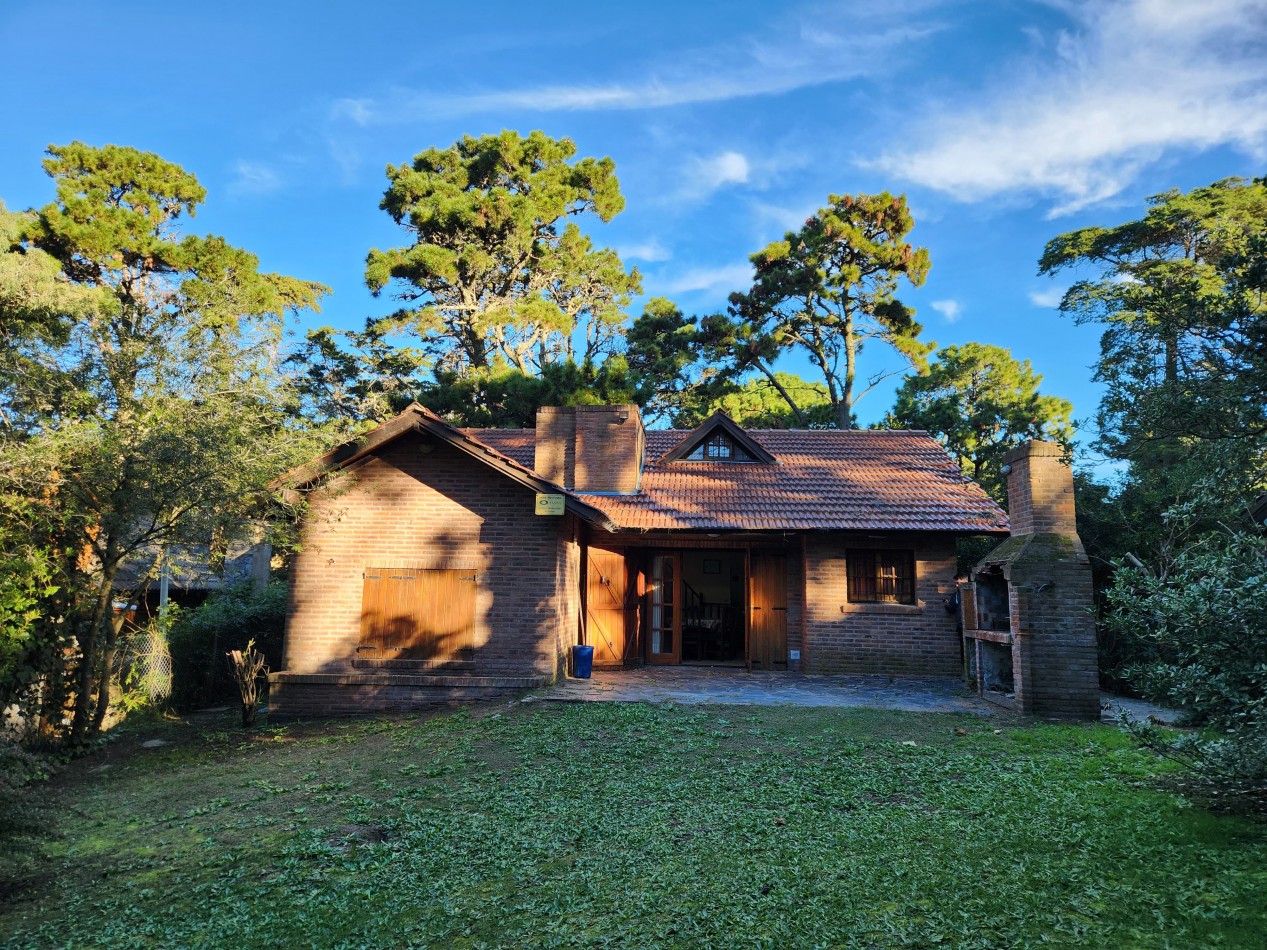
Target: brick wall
[1049, 594]
[423, 504]
[1054, 657]
[841, 637]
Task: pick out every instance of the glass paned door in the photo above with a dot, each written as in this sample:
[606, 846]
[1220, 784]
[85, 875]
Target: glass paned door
[664, 619]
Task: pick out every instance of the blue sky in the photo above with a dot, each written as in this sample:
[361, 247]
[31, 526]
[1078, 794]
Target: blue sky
[1004, 123]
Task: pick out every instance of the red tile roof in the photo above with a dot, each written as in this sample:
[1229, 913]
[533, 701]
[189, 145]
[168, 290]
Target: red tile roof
[825, 480]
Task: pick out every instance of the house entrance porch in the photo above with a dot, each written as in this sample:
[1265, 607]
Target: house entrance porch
[687, 606]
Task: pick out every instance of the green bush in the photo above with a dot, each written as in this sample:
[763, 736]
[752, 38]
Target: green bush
[227, 620]
[1201, 618]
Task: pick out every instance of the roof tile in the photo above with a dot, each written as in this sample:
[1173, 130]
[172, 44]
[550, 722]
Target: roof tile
[858, 479]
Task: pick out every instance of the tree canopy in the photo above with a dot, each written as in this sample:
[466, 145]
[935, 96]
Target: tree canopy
[497, 267]
[979, 402]
[828, 291]
[142, 405]
[1180, 293]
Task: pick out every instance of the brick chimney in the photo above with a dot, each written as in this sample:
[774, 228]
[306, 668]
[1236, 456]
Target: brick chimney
[591, 448]
[1040, 490]
[1030, 636]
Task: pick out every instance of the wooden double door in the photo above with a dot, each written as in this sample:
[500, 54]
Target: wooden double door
[635, 607]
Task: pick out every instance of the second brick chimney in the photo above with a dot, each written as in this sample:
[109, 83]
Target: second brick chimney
[1040, 490]
[591, 448]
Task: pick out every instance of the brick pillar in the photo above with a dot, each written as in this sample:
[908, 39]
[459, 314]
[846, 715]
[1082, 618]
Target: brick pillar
[1054, 661]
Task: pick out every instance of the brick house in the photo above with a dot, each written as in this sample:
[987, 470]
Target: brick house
[441, 563]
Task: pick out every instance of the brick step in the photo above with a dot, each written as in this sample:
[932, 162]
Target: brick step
[398, 678]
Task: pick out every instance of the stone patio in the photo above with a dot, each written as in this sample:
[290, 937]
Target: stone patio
[725, 685]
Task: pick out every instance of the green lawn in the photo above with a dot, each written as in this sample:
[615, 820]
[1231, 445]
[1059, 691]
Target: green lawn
[635, 825]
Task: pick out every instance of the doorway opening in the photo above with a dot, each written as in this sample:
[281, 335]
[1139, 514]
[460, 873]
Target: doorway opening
[713, 607]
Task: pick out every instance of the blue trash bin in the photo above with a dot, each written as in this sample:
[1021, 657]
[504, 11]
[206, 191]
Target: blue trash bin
[582, 661]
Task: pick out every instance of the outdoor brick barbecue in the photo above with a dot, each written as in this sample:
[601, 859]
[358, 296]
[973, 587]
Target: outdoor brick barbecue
[1029, 634]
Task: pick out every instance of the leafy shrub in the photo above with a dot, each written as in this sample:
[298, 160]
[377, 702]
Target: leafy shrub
[25, 586]
[227, 620]
[1201, 618]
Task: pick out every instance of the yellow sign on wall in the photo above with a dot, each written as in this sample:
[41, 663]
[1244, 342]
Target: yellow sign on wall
[550, 504]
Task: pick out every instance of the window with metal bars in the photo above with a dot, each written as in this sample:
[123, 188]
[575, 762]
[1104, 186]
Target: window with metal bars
[880, 576]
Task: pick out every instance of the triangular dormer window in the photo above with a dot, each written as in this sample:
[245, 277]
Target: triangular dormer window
[718, 439]
[719, 447]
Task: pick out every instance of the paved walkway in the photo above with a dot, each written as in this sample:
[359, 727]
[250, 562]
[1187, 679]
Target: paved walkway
[723, 685]
[1112, 709]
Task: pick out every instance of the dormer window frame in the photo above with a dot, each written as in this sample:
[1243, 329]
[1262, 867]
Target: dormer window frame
[717, 446]
[744, 450]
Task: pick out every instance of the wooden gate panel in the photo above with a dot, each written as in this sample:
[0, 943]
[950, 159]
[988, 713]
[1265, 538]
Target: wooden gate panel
[611, 607]
[767, 601]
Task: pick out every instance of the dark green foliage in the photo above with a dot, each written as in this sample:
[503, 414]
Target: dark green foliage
[639, 825]
[26, 599]
[979, 403]
[757, 404]
[1199, 619]
[1181, 296]
[827, 291]
[674, 365]
[355, 377]
[227, 620]
[24, 817]
[497, 268]
[139, 386]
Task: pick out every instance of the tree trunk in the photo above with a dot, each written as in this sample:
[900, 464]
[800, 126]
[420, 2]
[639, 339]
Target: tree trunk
[89, 650]
[109, 664]
[844, 408]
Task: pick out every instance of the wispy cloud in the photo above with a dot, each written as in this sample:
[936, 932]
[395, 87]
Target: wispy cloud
[253, 178]
[1049, 299]
[951, 310]
[650, 251]
[817, 46]
[1128, 83]
[704, 176]
[727, 278]
[784, 218]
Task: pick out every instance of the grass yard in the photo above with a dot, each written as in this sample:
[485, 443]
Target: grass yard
[633, 825]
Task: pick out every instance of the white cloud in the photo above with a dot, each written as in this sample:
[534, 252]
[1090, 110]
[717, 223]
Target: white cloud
[706, 175]
[1050, 299]
[1131, 82]
[651, 251]
[253, 178]
[951, 310]
[727, 278]
[817, 46]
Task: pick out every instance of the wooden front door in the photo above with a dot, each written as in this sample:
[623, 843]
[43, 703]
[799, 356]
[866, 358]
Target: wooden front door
[611, 607]
[767, 611]
[664, 609]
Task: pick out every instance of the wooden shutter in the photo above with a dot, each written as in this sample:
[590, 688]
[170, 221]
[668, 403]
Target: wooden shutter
[767, 601]
[417, 614]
